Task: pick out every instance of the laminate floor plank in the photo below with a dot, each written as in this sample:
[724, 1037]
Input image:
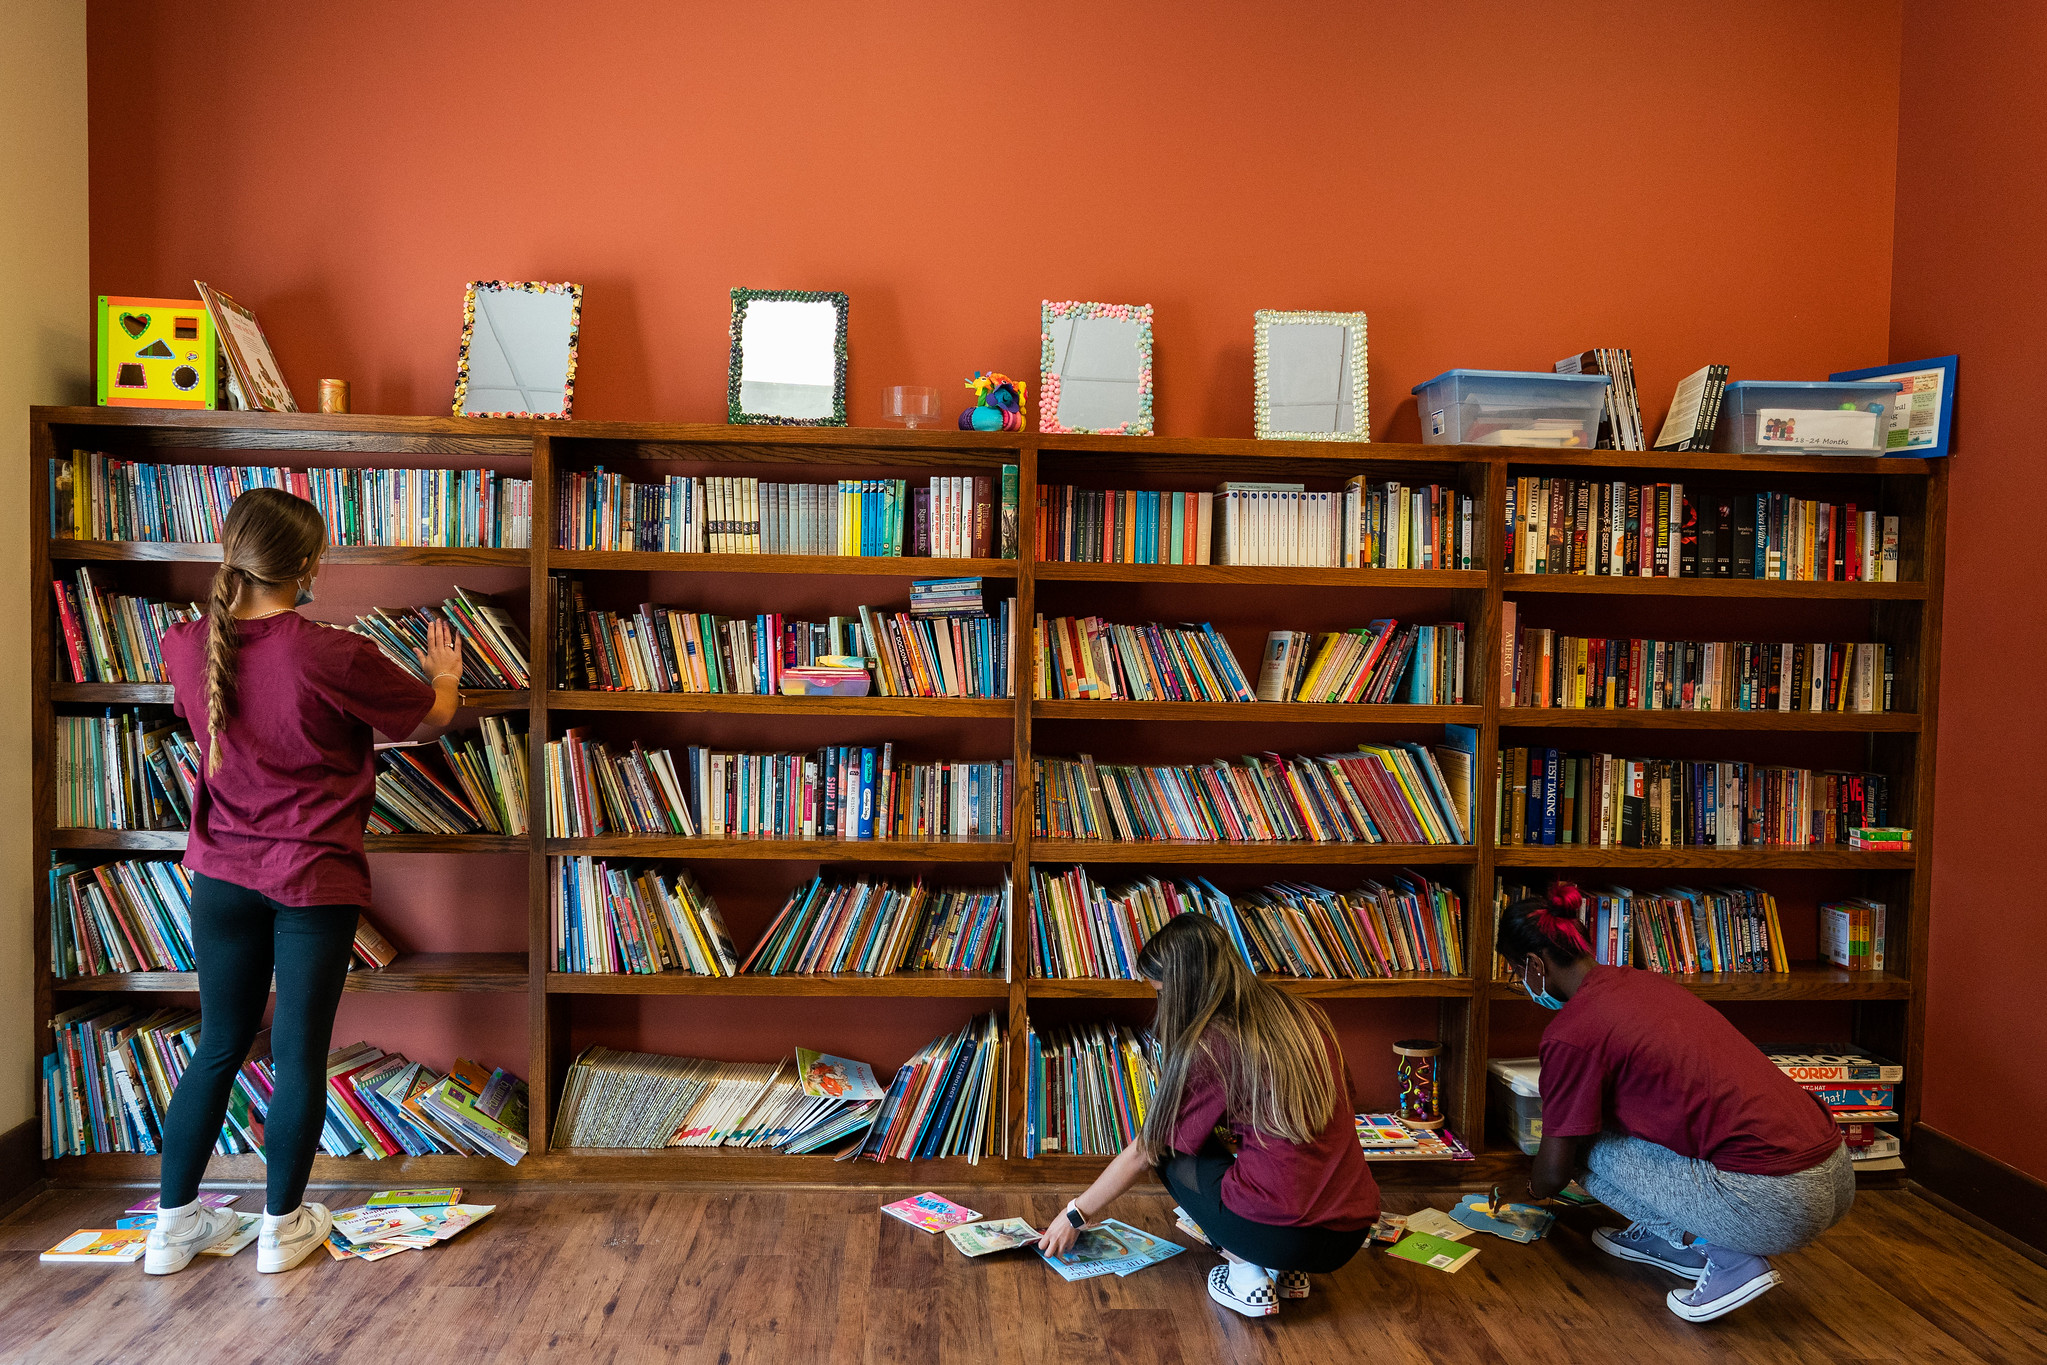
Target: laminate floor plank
[681, 1275]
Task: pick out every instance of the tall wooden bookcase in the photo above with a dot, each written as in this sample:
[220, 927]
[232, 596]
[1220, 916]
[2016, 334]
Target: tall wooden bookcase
[1882, 1010]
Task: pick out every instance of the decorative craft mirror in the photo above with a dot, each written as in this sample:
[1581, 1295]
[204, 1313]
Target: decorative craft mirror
[1310, 376]
[1095, 359]
[788, 358]
[518, 349]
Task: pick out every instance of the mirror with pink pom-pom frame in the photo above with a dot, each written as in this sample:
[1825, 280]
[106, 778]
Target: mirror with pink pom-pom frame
[1095, 360]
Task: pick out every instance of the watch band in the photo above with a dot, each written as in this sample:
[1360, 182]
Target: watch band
[1074, 1215]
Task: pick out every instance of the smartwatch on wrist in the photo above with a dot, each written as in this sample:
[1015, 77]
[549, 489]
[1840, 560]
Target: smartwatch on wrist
[1074, 1215]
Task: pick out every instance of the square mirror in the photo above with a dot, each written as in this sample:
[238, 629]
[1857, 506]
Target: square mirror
[1095, 359]
[1310, 376]
[788, 358]
[518, 349]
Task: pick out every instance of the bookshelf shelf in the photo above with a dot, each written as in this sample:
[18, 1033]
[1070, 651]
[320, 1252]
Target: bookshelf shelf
[1879, 1010]
[411, 972]
[1595, 718]
[958, 985]
[747, 704]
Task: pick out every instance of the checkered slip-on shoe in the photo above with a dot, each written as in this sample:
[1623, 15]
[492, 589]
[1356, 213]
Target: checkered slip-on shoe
[1257, 1302]
[1289, 1284]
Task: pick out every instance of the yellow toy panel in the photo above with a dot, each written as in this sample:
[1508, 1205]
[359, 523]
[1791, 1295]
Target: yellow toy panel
[155, 353]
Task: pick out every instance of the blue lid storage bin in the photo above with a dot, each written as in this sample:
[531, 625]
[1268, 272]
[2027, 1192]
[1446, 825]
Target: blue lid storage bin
[1758, 417]
[1512, 408]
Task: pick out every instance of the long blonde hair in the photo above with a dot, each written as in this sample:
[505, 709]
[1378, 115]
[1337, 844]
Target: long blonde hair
[1273, 1050]
[268, 538]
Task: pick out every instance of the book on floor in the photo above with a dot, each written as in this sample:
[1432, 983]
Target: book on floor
[98, 1246]
[208, 1199]
[997, 1234]
[930, 1212]
[407, 1199]
[1425, 1248]
[1515, 1222]
[1110, 1247]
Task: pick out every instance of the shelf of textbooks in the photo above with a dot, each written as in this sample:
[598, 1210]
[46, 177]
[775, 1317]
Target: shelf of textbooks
[1881, 1010]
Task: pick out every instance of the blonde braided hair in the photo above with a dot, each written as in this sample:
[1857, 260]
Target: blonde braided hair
[269, 537]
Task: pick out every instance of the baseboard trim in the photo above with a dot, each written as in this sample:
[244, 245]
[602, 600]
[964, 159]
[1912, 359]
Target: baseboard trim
[21, 1162]
[2001, 1195]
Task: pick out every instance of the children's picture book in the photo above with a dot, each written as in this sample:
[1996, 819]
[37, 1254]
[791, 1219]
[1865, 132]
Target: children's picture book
[1185, 1222]
[342, 1250]
[1388, 1229]
[1110, 1248]
[1381, 1131]
[252, 369]
[210, 1199]
[839, 1078]
[412, 1199]
[360, 1225]
[1515, 1222]
[1427, 1249]
[1437, 1223]
[247, 1225]
[931, 1212]
[99, 1246]
[997, 1234]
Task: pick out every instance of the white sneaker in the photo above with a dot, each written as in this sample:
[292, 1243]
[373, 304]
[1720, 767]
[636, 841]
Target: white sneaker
[294, 1239]
[167, 1254]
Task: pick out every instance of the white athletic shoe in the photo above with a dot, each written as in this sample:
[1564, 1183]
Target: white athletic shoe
[1249, 1291]
[167, 1254]
[294, 1239]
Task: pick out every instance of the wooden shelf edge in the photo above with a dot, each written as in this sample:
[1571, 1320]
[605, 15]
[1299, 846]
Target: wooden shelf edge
[1710, 587]
[788, 850]
[1570, 855]
[427, 972]
[859, 566]
[1605, 718]
[190, 551]
[1409, 984]
[1254, 713]
[742, 703]
[1258, 574]
[1805, 981]
[956, 985]
[174, 840]
[1166, 851]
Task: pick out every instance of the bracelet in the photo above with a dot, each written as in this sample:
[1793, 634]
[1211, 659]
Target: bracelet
[456, 676]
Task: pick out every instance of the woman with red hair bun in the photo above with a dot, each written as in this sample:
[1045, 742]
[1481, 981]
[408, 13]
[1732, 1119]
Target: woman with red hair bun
[1669, 1116]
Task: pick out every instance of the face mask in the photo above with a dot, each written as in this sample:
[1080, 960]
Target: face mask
[305, 595]
[1545, 999]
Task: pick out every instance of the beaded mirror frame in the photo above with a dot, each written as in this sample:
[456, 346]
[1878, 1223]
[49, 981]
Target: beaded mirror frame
[1360, 426]
[735, 414]
[575, 297]
[1050, 314]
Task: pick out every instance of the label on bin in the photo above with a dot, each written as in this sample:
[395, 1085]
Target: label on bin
[1436, 422]
[1818, 428]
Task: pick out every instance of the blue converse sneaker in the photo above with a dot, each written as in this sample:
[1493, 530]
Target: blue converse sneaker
[1637, 1243]
[1732, 1279]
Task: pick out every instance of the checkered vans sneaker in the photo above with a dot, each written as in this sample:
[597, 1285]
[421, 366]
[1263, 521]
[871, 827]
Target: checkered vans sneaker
[1289, 1284]
[1256, 1301]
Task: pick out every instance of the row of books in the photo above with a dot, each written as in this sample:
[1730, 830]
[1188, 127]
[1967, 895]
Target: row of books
[1563, 525]
[848, 792]
[1620, 425]
[1694, 410]
[1549, 796]
[124, 770]
[1852, 933]
[1382, 793]
[631, 918]
[1087, 1086]
[473, 783]
[494, 649]
[1679, 929]
[878, 928]
[379, 1104]
[1377, 664]
[950, 1099]
[109, 637]
[1085, 658]
[1123, 526]
[96, 497]
[1543, 669]
[1081, 928]
[951, 517]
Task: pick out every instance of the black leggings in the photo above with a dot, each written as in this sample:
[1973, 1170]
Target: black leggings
[240, 937]
[1196, 1182]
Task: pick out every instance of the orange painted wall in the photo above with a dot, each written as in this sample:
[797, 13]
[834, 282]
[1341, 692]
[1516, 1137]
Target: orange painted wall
[1968, 280]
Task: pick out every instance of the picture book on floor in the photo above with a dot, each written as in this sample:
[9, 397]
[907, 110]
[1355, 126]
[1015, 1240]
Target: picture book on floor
[367, 1233]
[1425, 1248]
[1110, 1247]
[99, 1246]
[997, 1234]
[1515, 1222]
[930, 1212]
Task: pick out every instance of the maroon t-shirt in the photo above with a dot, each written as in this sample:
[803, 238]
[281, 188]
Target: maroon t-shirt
[1634, 1051]
[1323, 1184]
[284, 815]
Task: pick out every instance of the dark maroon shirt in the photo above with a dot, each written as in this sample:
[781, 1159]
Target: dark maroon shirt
[1636, 1052]
[284, 815]
[1323, 1184]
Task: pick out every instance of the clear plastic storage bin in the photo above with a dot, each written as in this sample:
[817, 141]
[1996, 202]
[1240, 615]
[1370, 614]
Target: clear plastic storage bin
[1757, 418]
[1512, 408]
[1516, 1084]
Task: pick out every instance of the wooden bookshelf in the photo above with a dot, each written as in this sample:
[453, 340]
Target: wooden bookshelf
[1884, 1010]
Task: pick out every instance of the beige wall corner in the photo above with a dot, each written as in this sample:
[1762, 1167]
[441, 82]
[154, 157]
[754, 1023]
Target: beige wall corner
[45, 357]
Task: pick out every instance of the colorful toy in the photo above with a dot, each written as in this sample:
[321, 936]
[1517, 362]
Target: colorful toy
[1416, 1074]
[155, 353]
[999, 403]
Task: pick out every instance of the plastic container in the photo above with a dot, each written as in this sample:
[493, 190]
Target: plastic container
[1758, 418]
[1516, 1086]
[1512, 408]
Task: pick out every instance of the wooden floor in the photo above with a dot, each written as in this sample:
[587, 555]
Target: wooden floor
[732, 1276]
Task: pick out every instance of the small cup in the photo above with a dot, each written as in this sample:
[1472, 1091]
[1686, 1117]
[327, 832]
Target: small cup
[913, 405]
[334, 395]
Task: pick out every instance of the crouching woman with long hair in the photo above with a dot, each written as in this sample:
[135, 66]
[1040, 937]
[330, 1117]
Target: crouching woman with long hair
[1250, 1129]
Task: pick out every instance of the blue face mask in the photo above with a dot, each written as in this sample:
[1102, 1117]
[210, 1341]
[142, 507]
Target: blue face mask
[1544, 999]
[305, 595]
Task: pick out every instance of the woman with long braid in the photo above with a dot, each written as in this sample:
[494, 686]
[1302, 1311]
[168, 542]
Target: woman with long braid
[276, 854]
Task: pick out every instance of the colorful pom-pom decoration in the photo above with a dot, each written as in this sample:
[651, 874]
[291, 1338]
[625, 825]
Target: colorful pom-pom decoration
[998, 403]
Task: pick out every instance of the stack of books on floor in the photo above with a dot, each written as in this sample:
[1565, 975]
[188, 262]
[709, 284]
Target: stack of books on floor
[473, 783]
[1388, 1137]
[494, 650]
[1383, 793]
[1080, 928]
[629, 917]
[870, 928]
[1613, 528]
[1540, 668]
[1377, 664]
[1085, 658]
[1859, 1091]
[126, 769]
[379, 1104]
[391, 1221]
[952, 517]
[1549, 796]
[93, 497]
[112, 638]
[1087, 1087]
[1678, 929]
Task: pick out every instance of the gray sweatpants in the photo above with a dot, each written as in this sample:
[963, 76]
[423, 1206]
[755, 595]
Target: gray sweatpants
[1672, 1195]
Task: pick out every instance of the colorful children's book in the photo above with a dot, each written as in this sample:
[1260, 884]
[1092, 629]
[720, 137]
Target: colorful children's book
[1388, 1229]
[1185, 1222]
[997, 1234]
[1110, 1248]
[360, 1225]
[839, 1078]
[1437, 1223]
[247, 1225]
[930, 1212]
[1515, 1222]
[1427, 1249]
[411, 1199]
[99, 1246]
[210, 1199]
[1378, 1132]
